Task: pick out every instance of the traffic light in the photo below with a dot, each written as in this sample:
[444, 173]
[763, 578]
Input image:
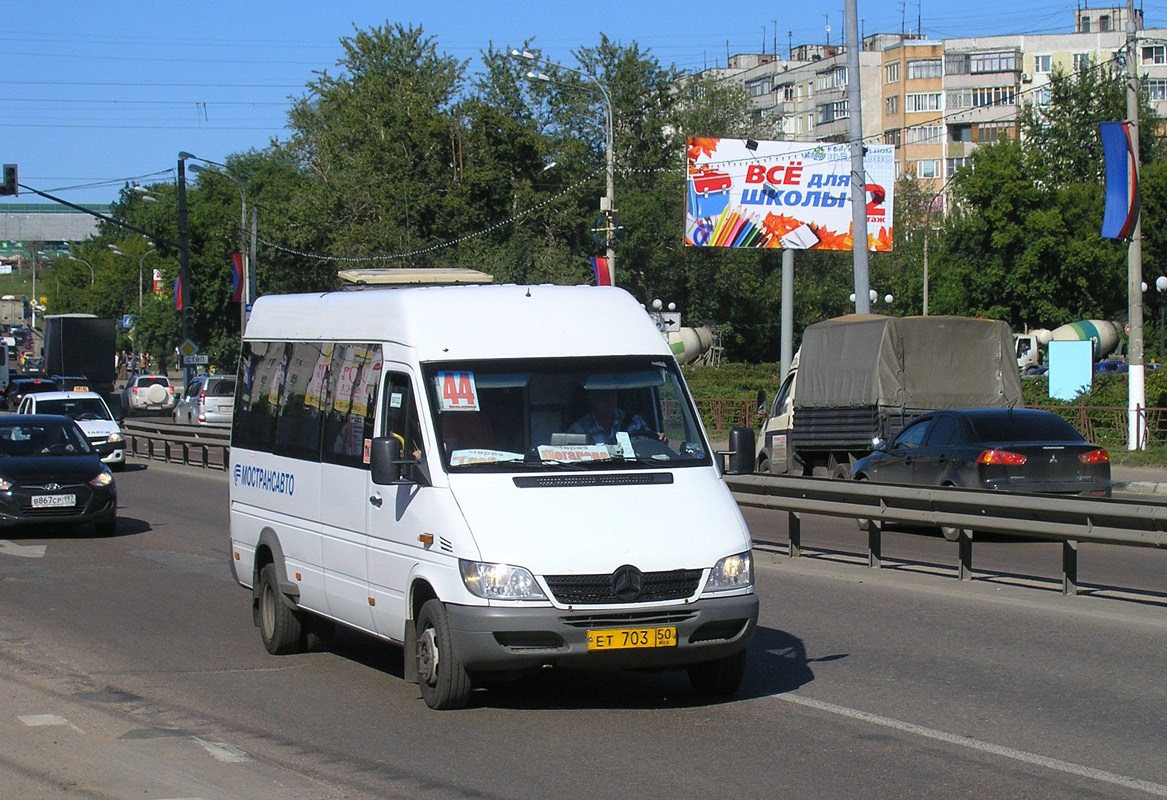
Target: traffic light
[10, 185]
[188, 315]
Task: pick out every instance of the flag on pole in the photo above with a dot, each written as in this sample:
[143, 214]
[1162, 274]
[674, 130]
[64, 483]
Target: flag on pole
[1122, 180]
[178, 293]
[603, 274]
[236, 277]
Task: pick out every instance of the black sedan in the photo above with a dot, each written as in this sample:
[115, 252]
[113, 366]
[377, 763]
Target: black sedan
[51, 476]
[19, 387]
[1017, 450]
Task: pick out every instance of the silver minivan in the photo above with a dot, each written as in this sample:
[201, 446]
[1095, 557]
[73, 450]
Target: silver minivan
[208, 400]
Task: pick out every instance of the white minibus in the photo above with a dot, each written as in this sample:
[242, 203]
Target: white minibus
[498, 478]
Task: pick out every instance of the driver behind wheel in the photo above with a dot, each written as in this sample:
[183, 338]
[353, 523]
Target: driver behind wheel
[606, 419]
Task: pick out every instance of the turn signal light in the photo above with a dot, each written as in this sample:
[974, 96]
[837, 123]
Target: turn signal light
[1001, 457]
[1099, 456]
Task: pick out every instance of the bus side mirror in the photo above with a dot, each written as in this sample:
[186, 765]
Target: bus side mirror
[741, 452]
[385, 458]
[761, 402]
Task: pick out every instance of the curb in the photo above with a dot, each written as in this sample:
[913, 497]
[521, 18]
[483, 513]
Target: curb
[1140, 487]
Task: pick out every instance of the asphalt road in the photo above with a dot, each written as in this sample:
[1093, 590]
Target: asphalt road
[130, 669]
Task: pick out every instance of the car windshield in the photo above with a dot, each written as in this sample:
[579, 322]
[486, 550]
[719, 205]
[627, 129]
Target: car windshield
[78, 408]
[42, 439]
[551, 413]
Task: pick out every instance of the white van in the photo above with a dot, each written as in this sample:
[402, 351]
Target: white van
[424, 465]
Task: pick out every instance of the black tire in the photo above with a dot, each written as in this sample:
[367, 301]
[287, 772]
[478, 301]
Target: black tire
[719, 678]
[106, 528]
[764, 465]
[444, 683]
[281, 628]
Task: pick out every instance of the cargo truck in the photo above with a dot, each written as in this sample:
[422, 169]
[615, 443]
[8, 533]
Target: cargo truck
[858, 379]
[82, 345]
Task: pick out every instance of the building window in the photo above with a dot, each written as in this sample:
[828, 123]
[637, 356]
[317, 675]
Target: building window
[1103, 23]
[1042, 63]
[1157, 88]
[892, 104]
[1155, 54]
[1085, 26]
[829, 112]
[925, 68]
[1041, 96]
[993, 131]
[994, 96]
[993, 62]
[759, 87]
[788, 93]
[1082, 61]
[926, 134]
[951, 165]
[893, 137]
[927, 168]
[891, 72]
[960, 133]
[929, 101]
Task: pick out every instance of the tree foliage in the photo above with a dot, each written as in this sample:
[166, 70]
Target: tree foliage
[397, 157]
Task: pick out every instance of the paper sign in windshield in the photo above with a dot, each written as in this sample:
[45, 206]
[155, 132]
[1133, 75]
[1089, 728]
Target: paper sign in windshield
[457, 391]
[574, 452]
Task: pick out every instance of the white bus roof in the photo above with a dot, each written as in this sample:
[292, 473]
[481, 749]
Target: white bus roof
[466, 322]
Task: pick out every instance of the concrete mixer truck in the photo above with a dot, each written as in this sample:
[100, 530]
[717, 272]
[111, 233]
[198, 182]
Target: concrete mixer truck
[1107, 338]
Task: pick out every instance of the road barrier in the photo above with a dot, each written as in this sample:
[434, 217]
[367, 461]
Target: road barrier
[164, 441]
[1069, 520]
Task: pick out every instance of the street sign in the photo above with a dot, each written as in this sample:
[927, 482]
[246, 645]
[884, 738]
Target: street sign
[195, 360]
[188, 348]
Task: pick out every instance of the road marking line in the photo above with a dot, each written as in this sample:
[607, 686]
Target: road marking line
[1157, 789]
[223, 751]
[39, 720]
[22, 550]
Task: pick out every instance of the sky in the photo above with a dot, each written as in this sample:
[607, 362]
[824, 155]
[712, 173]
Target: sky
[95, 95]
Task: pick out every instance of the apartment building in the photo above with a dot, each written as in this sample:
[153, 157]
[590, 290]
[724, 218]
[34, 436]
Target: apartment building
[937, 101]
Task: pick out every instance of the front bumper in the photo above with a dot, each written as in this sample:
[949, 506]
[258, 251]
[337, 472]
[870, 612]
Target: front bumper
[490, 638]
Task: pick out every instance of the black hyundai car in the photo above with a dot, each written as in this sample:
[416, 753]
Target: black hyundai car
[51, 476]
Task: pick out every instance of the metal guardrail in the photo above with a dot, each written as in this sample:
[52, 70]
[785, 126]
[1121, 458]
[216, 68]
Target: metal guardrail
[1070, 520]
[163, 441]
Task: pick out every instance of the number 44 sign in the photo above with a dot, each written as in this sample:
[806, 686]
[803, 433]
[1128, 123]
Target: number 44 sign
[457, 392]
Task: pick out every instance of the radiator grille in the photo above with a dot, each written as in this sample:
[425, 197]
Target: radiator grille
[599, 589]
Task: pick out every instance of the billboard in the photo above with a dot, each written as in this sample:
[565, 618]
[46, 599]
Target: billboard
[747, 193]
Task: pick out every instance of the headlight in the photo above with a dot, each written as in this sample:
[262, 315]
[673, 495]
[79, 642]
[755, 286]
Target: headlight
[115, 438]
[104, 478]
[499, 581]
[732, 572]
[5, 485]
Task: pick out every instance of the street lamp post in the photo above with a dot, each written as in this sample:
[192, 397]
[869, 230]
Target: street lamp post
[608, 204]
[149, 250]
[247, 295]
[92, 274]
[185, 306]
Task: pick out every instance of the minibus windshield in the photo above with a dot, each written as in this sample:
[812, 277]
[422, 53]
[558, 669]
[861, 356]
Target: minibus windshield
[585, 413]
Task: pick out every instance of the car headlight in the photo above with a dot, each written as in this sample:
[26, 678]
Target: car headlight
[499, 581]
[115, 438]
[732, 572]
[104, 478]
[5, 485]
